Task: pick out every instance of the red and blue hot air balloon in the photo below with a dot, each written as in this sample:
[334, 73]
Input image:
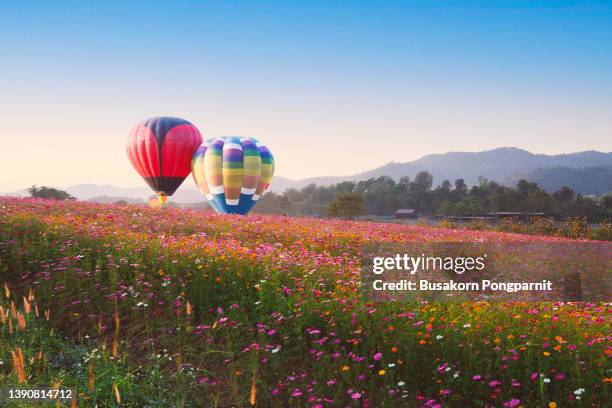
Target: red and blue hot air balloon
[160, 149]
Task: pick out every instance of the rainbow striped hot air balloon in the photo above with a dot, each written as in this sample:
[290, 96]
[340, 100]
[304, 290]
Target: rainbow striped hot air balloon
[232, 172]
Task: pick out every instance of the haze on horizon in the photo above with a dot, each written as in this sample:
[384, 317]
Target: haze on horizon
[334, 88]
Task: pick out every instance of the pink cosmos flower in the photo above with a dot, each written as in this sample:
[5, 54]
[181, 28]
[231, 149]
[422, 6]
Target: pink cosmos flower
[494, 383]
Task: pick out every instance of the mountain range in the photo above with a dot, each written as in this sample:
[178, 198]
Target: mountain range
[503, 165]
[588, 172]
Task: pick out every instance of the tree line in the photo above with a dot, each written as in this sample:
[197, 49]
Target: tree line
[382, 196]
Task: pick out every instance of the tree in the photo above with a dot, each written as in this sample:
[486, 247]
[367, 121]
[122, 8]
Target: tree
[272, 203]
[49, 193]
[483, 183]
[445, 186]
[423, 181]
[347, 205]
[472, 206]
[446, 208]
[461, 189]
[404, 181]
[345, 187]
[523, 187]
[564, 194]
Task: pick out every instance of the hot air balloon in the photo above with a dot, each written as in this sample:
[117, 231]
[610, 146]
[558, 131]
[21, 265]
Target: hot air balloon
[160, 149]
[232, 172]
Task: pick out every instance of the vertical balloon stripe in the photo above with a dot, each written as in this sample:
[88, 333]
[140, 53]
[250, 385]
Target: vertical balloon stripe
[267, 171]
[179, 145]
[132, 156]
[197, 169]
[171, 152]
[213, 161]
[232, 170]
[252, 166]
[139, 157]
[148, 150]
[142, 141]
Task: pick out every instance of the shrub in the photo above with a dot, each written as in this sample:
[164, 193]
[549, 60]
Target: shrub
[603, 232]
[577, 227]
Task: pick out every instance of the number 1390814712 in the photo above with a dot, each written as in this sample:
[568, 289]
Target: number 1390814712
[41, 394]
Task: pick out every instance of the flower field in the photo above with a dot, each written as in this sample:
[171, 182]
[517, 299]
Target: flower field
[132, 306]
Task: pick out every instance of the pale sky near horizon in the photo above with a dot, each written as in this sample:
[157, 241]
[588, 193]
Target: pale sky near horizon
[332, 87]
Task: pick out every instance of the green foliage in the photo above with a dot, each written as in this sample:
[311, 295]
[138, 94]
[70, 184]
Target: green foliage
[564, 194]
[383, 196]
[603, 232]
[347, 205]
[85, 367]
[49, 193]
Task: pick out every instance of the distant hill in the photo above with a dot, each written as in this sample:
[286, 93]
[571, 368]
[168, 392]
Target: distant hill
[584, 180]
[585, 172]
[502, 165]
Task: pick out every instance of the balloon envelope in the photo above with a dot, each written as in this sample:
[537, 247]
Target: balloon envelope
[160, 149]
[232, 172]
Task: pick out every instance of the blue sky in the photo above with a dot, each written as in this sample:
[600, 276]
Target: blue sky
[332, 87]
